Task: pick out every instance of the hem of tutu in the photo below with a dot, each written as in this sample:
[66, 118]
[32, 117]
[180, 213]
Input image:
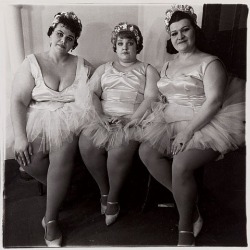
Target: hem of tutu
[109, 137]
[170, 156]
[49, 145]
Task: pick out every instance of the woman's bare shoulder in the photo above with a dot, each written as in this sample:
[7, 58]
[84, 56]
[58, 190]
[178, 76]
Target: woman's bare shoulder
[41, 56]
[202, 56]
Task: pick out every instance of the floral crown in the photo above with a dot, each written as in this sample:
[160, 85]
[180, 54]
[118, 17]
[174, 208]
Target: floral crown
[126, 27]
[68, 15]
[179, 7]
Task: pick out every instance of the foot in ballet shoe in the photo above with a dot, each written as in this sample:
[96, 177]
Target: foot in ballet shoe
[103, 201]
[197, 225]
[186, 239]
[51, 243]
[110, 215]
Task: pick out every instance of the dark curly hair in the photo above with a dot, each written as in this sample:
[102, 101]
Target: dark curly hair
[70, 21]
[135, 34]
[200, 40]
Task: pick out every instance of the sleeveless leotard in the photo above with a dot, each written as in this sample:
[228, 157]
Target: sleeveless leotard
[184, 96]
[122, 93]
[53, 116]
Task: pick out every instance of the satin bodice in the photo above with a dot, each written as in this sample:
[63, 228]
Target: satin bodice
[45, 97]
[186, 89]
[122, 93]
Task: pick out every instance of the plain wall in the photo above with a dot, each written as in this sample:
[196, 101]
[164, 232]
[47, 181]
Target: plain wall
[94, 44]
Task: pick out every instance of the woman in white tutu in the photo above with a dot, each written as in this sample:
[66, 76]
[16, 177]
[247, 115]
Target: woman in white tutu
[46, 116]
[122, 92]
[197, 123]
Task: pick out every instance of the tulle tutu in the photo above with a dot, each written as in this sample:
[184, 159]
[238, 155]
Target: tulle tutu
[55, 117]
[225, 132]
[53, 123]
[121, 96]
[58, 122]
[111, 135]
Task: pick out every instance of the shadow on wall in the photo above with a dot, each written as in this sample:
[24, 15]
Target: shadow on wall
[97, 35]
[155, 45]
[33, 36]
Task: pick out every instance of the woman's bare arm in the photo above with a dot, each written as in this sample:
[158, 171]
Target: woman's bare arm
[23, 85]
[150, 93]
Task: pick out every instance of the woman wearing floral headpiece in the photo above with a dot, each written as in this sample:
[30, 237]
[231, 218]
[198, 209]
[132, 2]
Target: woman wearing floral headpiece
[122, 92]
[46, 116]
[196, 124]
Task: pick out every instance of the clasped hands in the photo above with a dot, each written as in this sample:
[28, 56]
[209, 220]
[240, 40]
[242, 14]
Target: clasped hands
[109, 121]
[180, 141]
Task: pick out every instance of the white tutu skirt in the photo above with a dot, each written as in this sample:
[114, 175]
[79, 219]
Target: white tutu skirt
[109, 136]
[224, 133]
[54, 123]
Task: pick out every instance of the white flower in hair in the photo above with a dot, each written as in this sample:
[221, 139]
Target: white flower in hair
[179, 7]
[125, 26]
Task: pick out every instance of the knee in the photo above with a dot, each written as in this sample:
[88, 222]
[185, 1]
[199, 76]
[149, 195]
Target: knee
[181, 170]
[86, 147]
[147, 154]
[144, 152]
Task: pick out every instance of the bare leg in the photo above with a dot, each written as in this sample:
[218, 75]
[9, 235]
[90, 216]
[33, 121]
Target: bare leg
[95, 160]
[185, 188]
[39, 165]
[158, 165]
[119, 163]
[58, 179]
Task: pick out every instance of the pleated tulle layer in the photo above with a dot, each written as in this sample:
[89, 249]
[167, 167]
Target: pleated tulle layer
[109, 136]
[225, 132]
[54, 126]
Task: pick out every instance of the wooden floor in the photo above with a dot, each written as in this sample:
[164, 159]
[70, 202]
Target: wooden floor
[222, 206]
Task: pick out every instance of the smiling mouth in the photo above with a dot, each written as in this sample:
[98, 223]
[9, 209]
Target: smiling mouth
[181, 42]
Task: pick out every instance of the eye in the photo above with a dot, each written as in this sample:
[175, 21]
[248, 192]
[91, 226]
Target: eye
[131, 43]
[174, 34]
[186, 29]
[59, 34]
[119, 44]
[70, 39]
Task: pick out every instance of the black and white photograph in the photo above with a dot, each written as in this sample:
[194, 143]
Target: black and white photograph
[124, 124]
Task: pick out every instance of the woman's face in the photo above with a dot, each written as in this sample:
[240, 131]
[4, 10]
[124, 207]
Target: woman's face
[182, 35]
[62, 39]
[126, 49]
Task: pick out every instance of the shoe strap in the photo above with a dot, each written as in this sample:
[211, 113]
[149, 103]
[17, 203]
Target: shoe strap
[51, 221]
[185, 232]
[113, 203]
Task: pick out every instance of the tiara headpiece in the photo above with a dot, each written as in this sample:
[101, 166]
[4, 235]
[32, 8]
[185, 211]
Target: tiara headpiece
[69, 15]
[126, 27]
[179, 7]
